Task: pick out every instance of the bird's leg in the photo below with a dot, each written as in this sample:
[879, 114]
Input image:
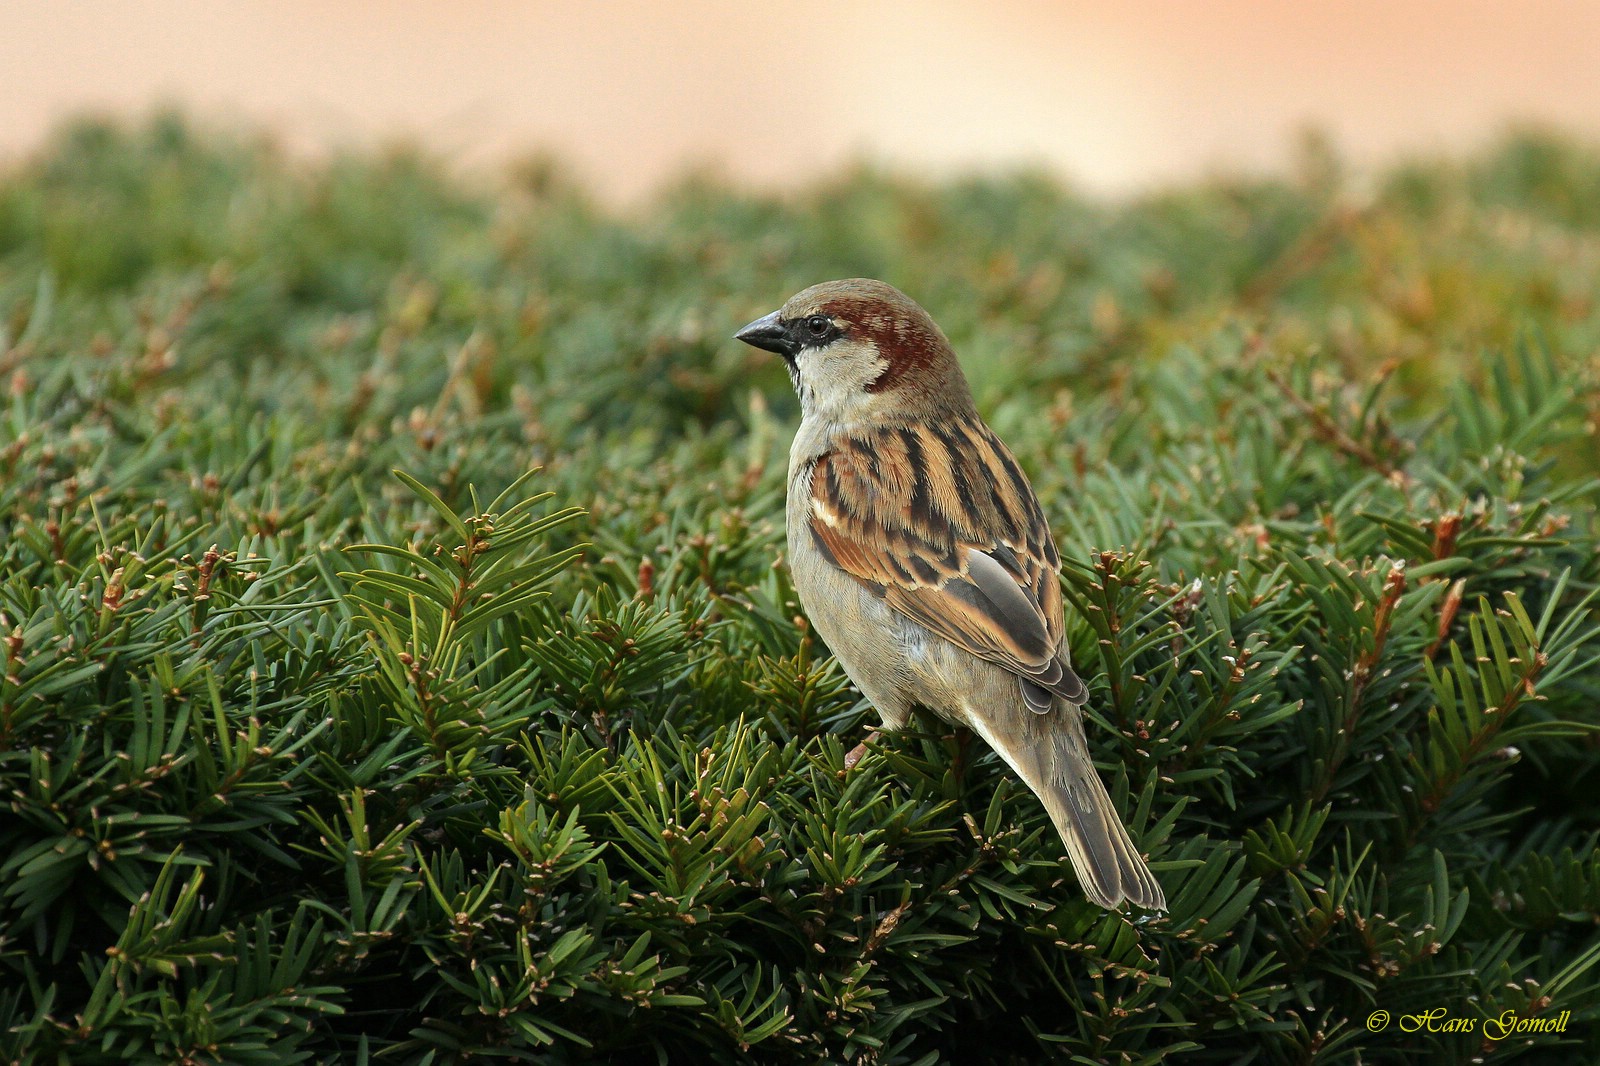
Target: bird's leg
[854, 755]
[963, 739]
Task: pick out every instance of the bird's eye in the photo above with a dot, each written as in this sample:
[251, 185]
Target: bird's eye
[819, 325]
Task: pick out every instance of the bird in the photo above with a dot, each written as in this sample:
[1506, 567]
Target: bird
[921, 555]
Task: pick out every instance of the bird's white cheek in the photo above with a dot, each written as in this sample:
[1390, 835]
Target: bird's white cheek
[833, 383]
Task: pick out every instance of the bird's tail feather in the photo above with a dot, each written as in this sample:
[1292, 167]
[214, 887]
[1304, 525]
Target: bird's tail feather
[1054, 762]
[1107, 863]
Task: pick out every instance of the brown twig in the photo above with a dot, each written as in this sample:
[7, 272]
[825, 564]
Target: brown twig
[1366, 665]
[1330, 432]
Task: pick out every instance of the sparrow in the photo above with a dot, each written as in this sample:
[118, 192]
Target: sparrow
[922, 557]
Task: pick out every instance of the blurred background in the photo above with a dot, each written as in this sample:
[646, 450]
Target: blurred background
[1116, 98]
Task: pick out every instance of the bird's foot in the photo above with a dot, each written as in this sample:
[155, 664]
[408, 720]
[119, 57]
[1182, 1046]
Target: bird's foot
[854, 755]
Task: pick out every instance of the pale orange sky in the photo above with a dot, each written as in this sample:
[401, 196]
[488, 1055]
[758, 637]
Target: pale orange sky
[1116, 96]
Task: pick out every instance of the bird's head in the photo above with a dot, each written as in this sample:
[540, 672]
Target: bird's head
[860, 350]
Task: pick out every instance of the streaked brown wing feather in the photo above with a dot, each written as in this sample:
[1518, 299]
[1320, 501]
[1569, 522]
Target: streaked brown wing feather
[964, 551]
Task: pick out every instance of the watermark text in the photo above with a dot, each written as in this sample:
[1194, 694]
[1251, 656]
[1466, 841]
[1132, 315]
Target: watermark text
[1439, 1020]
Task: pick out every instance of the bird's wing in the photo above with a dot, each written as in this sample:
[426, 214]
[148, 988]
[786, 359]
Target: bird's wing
[961, 548]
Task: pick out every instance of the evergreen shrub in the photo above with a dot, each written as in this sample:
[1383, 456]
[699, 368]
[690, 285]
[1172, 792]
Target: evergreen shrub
[399, 664]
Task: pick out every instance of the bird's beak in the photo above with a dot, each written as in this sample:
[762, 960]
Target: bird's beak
[768, 333]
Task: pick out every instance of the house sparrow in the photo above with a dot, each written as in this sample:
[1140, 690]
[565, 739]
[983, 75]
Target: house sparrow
[923, 558]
